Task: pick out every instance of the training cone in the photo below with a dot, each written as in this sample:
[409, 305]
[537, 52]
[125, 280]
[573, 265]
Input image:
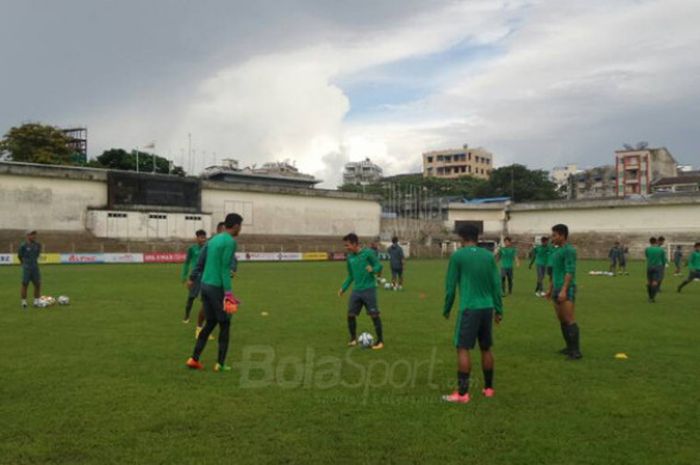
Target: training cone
[621, 356]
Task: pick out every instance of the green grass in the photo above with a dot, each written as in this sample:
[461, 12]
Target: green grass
[103, 381]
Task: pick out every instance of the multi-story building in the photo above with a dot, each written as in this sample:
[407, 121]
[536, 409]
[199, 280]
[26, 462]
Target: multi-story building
[598, 182]
[455, 163]
[362, 172]
[687, 181]
[638, 169]
[282, 174]
[560, 174]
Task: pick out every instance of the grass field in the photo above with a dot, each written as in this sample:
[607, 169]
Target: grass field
[103, 381]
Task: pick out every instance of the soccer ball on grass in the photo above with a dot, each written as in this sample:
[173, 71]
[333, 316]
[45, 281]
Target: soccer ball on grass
[366, 340]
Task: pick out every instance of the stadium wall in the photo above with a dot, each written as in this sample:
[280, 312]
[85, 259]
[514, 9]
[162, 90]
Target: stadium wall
[56, 199]
[76, 200]
[295, 212]
[594, 224]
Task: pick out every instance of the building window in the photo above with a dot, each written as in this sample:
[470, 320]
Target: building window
[430, 171]
[430, 159]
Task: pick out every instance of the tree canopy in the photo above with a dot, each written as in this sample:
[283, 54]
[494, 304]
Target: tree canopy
[37, 143]
[120, 159]
[515, 181]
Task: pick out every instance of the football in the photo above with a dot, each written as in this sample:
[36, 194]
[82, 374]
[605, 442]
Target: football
[387, 286]
[366, 340]
[63, 300]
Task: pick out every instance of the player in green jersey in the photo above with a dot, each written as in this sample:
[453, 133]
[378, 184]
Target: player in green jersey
[656, 261]
[539, 257]
[678, 259]
[614, 257]
[190, 263]
[217, 292]
[562, 290]
[507, 255]
[28, 254]
[363, 266]
[693, 267]
[473, 270]
[661, 242]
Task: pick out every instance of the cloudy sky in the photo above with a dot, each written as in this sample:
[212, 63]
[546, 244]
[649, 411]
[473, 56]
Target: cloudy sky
[539, 82]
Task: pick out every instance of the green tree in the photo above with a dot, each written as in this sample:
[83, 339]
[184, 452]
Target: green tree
[37, 143]
[466, 186]
[519, 183]
[120, 159]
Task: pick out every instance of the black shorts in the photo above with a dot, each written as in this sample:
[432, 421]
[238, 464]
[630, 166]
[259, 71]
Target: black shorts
[213, 303]
[195, 290]
[365, 298]
[570, 294]
[654, 273]
[541, 270]
[30, 274]
[549, 271]
[397, 273]
[693, 274]
[507, 273]
[474, 325]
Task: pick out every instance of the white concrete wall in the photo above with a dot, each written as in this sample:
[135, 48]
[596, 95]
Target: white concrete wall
[146, 225]
[48, 203]
[641, 219]
[303, 215]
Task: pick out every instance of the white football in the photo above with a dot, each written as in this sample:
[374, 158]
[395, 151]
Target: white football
[366, 340]
[63, 300]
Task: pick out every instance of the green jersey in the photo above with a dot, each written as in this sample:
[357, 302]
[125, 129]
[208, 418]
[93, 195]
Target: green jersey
[474, 270]
[29, 253]
[191, 260]
[217, 268]
[507, 256]
[357, 270]
[563, 263]
[551, 249]
[540, 255]
[656, 257]
[694, 261]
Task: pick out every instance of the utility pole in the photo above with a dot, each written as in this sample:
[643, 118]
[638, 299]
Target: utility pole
[189, 152]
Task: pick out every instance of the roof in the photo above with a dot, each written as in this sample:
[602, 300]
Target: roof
[686, 179]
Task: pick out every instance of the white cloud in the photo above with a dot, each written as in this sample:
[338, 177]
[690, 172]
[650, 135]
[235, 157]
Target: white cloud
[285, 105]
[574, 80]
[571, 82]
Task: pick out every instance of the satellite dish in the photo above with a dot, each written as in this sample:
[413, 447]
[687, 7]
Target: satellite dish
[628, 147]
[642, 145]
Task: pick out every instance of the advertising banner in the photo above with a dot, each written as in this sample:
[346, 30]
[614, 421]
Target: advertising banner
[8, 259]
[338, 256]
[317, 256]
[81, 258]
[159, 257]
[268, 256]
[48, 258]
[123, 258]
